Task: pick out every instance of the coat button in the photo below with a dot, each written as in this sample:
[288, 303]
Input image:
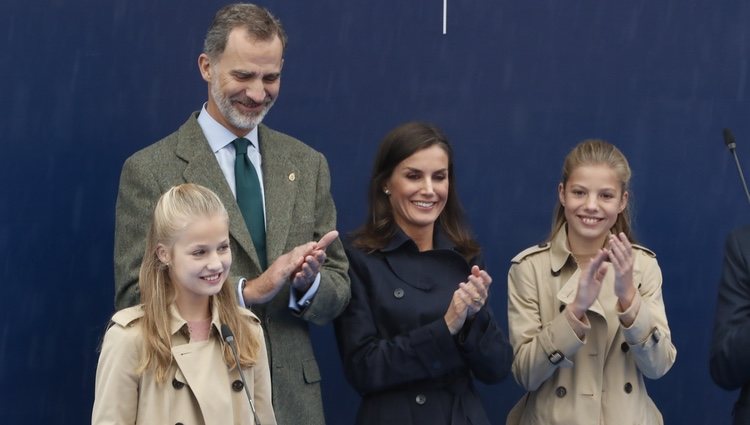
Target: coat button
[177, 384]
[421, 399]
[542, 245]
[561, 391]
[398, 293]
[562, 307]
[624, 347]
[237, 385]
[628, 387]
[656, 334]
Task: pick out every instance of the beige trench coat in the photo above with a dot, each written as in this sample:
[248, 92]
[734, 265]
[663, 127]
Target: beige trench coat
[597, 380]
[200, 388]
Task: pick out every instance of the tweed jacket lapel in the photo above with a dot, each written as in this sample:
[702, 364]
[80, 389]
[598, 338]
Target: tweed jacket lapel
[203, 169]
[280, 175]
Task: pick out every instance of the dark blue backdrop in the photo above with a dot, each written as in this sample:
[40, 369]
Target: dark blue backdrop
[514, 84]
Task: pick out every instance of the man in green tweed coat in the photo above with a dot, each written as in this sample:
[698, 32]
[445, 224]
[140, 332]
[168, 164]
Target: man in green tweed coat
[305, 281]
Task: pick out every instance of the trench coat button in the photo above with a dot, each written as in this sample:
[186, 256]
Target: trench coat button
[656, 334]
[237, 385]
[561, 391]
[543, 245]
[628, 387]
[398, 293]
[562, 308]
[624, 347]
[421, 399]
[177, 384]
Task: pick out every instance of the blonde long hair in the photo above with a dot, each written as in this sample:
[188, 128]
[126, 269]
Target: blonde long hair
[176, 208]
[598, 152]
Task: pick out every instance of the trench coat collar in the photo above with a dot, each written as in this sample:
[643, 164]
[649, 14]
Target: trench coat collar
[177, 323]
[558, 251]
[560, 256]
[400, 253]
[440, 241]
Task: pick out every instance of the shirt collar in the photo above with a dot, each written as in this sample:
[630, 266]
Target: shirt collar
[219, 136]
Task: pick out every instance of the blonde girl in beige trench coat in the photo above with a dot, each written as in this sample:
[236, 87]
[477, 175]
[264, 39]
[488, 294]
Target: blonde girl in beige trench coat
[585, 309]
[164, 361]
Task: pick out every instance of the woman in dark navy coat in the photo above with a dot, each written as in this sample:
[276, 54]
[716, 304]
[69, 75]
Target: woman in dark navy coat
[417, 330]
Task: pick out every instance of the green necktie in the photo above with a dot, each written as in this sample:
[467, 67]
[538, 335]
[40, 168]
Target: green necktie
[249, 198]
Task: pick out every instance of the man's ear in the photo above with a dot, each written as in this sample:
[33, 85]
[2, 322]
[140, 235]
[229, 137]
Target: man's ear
[204, 66]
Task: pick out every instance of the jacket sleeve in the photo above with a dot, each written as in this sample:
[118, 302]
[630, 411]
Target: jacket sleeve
[136, 199]
[334, 291]
[116, 393]
[729, 361]
[485, 348]
[533, 340]
[374, 363]
[649, 337]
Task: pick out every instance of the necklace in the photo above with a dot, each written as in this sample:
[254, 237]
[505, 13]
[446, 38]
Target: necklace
[198, 329]
[582, 259]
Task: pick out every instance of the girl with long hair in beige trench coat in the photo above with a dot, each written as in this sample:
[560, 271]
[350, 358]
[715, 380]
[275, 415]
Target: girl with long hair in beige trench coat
[585, 309]
[164, 361]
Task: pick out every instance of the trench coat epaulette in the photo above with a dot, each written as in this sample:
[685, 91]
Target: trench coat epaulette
[529, 251]
[126, 316]
[648, 252]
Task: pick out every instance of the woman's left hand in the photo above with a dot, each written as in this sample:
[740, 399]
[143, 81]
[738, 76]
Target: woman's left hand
[475, 290]
[621, 256]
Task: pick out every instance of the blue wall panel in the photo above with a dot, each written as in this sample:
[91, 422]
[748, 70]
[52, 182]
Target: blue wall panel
[514, 84]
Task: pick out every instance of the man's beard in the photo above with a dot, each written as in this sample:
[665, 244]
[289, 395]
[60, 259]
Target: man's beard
[233, 116]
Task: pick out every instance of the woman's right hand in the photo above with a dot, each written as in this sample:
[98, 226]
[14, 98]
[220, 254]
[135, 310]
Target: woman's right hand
[468, 299]
[590, 285]
[458, 309]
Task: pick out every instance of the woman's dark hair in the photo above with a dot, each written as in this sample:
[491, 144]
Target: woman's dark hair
[380, 226]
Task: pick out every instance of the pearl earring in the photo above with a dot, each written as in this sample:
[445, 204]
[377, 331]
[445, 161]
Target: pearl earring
[387, 192]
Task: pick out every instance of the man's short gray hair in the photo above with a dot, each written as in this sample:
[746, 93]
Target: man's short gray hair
[258, 21]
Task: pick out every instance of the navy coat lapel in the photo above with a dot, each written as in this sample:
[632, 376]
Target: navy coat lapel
[401, 258]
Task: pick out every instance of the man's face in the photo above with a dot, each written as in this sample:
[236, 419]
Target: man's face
[244, 81]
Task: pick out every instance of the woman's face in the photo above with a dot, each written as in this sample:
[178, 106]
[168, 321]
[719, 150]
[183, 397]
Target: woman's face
[418, 189]
[592, 198]
[200, 258]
